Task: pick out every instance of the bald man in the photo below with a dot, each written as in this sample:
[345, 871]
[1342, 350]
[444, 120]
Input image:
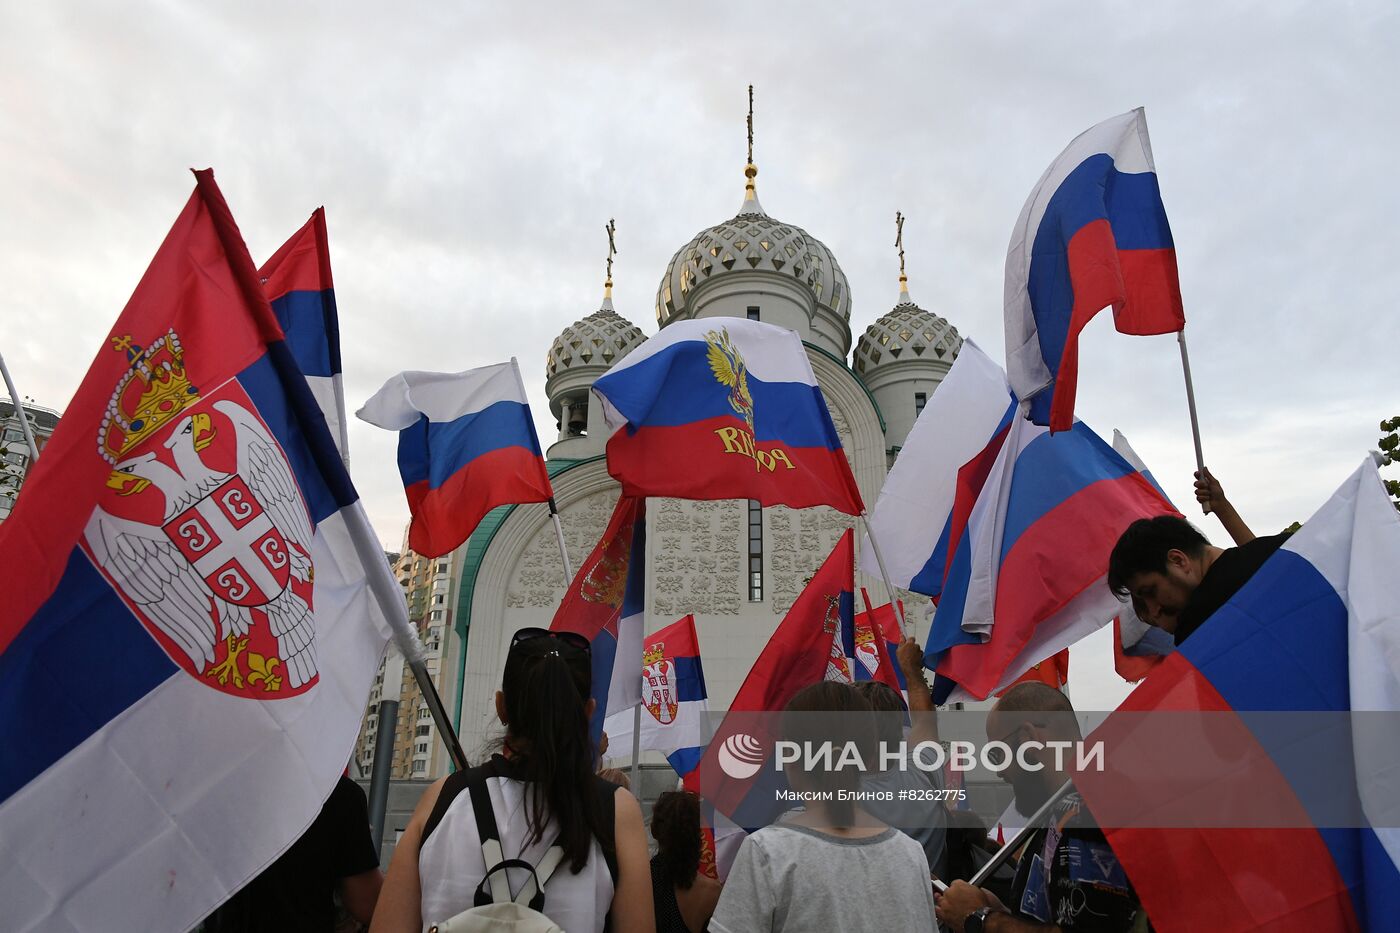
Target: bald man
[1068, 878]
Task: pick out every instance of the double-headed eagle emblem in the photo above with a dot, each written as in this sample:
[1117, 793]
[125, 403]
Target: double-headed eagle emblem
[730, 370]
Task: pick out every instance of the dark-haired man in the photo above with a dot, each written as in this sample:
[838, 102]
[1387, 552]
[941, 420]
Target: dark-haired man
[1068, 878]
[1177, 579]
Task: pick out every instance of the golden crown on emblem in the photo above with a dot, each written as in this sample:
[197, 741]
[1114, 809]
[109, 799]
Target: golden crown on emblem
[653, 654]
[164, 392]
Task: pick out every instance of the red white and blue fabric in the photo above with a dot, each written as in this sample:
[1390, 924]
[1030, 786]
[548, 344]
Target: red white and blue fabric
[297, 280]
[724, 409]
[1315, 632]
[1137, 646]
[1093, 233]
[1040, 534]
[924, 506]
[189, 637]
[805, 648]
[467, 444]
[674, 702]
[606, 603]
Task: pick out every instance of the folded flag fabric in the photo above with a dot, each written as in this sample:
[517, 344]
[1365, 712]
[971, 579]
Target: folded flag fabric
[872, 642]
[1297, 828]
[185, 659]
[805, 648]
[297, 280]
[674, 702]
[1137, 646]
[1049, 514]
[466, 445]
[926, 501]
[1093, 233]
[1053, 672]
[606, 603]
[724, 409]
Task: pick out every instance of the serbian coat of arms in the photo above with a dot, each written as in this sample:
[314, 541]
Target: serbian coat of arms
[659, 685]
[203, 529]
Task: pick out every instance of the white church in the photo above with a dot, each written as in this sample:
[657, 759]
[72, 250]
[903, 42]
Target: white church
[736, 567]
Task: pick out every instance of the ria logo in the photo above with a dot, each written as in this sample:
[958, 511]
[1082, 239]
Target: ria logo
[740, 756]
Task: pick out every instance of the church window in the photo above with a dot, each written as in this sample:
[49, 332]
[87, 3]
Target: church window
[755, 552]
[753, 314]
[920, 400]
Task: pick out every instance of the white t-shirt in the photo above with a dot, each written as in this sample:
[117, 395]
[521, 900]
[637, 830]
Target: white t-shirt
[789, 877]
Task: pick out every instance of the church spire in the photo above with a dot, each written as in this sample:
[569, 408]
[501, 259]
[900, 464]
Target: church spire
[611, 229]
[750, 205]
[899, 245]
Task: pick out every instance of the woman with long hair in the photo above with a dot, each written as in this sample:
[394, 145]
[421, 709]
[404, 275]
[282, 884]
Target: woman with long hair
[832, 866]
[683, 898]
[541, 793]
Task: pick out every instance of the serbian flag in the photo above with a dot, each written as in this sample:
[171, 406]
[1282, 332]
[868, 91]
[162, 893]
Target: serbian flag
[297, 280]
[186, 652]
[466, 445]
[606, 604]
[872, 642]
[674, 702]
[804, 649]
[926, 502]
[1265, 744]
[1093, 233]
[1049, 514]
[724, 409]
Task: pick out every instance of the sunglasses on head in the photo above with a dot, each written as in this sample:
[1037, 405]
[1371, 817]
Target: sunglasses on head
[572, 639]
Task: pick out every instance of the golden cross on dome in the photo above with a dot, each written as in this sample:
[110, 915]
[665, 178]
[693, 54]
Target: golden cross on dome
[899, 243]
[751, 124]
[611, 228]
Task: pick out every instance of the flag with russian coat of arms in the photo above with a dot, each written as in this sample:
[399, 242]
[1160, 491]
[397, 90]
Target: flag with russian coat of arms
[184, 659]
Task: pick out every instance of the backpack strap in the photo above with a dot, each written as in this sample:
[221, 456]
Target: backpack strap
[532, 892]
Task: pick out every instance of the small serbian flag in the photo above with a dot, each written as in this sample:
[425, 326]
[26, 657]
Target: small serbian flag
[724, 409]
[297, 280]
[606, 604]
[805, 648]
[466, 445]
[674, 702]
[1093, 233]
[1262, 750]
[874, 638]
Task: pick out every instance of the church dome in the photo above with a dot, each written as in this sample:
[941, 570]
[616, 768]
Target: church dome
[907, 333]
[596, 342]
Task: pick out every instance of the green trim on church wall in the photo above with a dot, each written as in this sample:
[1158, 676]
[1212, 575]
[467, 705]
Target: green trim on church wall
[863, 387]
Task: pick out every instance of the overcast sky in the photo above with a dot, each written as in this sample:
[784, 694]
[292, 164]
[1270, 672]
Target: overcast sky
[468, 161]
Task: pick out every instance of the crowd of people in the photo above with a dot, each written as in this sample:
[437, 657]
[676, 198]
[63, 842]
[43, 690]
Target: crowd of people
[538, 837]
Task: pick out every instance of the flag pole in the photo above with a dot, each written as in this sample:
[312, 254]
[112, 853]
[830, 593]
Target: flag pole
[636, 747]
[391, 602]
[1191, 406]
[559, 536]
[889, 587]
[20, 413]
[1022, 834]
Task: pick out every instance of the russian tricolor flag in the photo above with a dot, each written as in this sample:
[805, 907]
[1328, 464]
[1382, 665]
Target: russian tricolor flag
[466, 445]
[674, 701]
[1266, 743]
[1048, 516]
[606, 603]
[724, 408]
[939, 471]
[1092, 234]
[297, 280]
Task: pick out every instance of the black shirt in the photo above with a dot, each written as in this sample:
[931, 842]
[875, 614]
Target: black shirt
[1230, 571]
[296, 892]
[1074, 880]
